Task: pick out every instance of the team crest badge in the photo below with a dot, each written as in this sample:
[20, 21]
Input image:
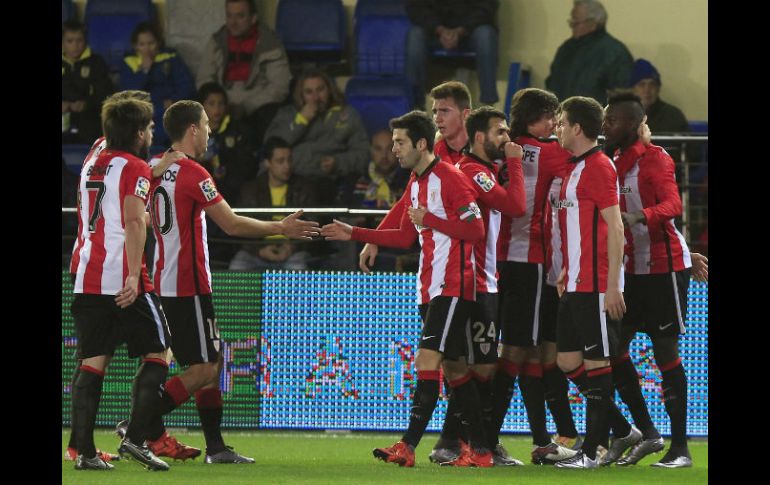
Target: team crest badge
[85, 71]
[142, 188]
[484, 181]
[209, 189]
[485, 348]
[470, 212]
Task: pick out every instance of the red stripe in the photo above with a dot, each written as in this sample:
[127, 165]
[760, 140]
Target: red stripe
[208, 399]
[428, 375]
[576, 373]
[548, 367]
[177, 391]
[600, 372]
[533, 370]
[92, 370]
[459, 382]
[479, 377]
[508, 367]
[670, 365]
[621, 359]
[156, 361]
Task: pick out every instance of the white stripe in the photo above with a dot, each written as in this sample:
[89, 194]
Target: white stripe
[114, 233]
[536, 322]
[676, 300]
[201, 329]
[447, 323]
[414, 191]
[204, 239]
[685, 250]
[158, 321]
[469, 342]
[603, 325]
[518, 245]
[172, 241]
[490, 258]
[573, 227]
[442, 242]
[556, 259]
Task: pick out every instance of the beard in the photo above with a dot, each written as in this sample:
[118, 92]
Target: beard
[492, 152]
[144, 152]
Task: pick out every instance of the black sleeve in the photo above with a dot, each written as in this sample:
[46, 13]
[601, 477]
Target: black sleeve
[102, 84]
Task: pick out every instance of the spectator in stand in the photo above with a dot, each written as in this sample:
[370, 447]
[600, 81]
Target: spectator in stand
[159, 71]
[661, 116]
[327, 137]
[85, 82]
[249, 60]
[452, 25]
[591, 62]
[385, 180]
[276, 187]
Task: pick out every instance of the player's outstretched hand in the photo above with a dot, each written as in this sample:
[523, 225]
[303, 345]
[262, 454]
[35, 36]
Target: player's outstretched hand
[614, 304]
[367, 256]
[700, 268]
[127, 295]
[296, 228]
[337, 231]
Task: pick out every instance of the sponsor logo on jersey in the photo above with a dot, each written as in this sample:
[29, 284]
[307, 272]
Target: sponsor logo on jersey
[625, 190]
[484, 181]
[470, 212]
[142, 188]
[208, 188]
[564, 203]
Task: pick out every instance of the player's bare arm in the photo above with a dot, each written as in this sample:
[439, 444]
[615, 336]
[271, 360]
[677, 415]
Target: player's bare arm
[234, 225]
[613, 299]
[136, 234]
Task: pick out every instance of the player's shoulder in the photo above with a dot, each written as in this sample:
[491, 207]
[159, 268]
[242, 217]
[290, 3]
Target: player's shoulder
[656, 154]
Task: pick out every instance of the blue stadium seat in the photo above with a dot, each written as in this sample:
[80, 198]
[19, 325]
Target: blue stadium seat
[381, 45]
[518, 78]
[110, 23]
[378, 100]
[74, 155]
[699, 126]
[312, 29]
[380, 7]
[67, 10]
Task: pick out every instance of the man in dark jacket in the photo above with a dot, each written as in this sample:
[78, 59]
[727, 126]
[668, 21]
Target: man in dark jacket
[591, 62]
[85, 82]
[276, 187]
[451, 25]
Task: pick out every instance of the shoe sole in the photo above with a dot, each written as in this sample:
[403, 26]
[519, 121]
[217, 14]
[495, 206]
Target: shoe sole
[129, 457]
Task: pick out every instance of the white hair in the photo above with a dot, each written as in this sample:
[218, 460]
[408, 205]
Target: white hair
[594, 11]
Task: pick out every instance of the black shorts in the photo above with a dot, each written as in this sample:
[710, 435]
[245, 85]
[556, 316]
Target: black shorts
[481, 330]
[100, 325]
[584, 326]
[549, 312]
[192, 323]
[521, 287]
[443, 325]
[656, 304]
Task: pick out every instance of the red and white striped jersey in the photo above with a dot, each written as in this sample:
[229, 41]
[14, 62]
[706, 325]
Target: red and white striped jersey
[178, 198]
[442, 150]
[590, 186]
[99, 260]
[447, 263]
[648, 184]
[554, 258]
[523, 239]
[495, 202]
[97, 147]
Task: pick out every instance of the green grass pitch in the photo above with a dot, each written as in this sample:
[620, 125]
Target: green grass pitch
[346, 458]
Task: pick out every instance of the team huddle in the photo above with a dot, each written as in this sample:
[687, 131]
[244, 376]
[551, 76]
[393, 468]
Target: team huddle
[559, 232]
[583, 253]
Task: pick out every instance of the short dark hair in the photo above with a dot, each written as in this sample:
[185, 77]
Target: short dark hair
[74, 26]
[455, 90]
[179, 116]
[146, 27]
[478, 120]
[528, 106]
[587, 112]
[252, 5]
[129, 93]
[122, 119]
[633, 105]
[271, 144]
[209, 88]
[418, 124]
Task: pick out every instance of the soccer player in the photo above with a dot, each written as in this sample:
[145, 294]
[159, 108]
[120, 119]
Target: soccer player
[181, 198]
[528, 324]
[590, 283]
[166, 445]
[490, 142]
[113, 294]
[443, 213]
[451, 105]
[657, 276]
